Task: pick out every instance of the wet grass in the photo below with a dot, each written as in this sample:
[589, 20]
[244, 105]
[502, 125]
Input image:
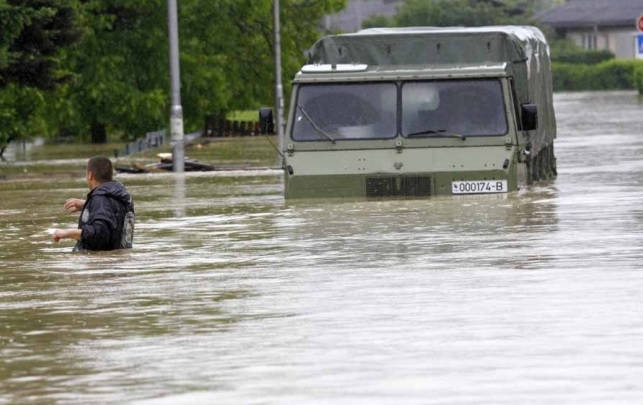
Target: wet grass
[252, 151]
[244, 115]
[247, 151]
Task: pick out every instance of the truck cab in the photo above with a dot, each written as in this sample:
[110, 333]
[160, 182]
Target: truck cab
[421, 112]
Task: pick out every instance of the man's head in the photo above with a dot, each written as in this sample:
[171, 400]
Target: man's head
[99, 170]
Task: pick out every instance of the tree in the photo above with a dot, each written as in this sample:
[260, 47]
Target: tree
[461, 13]
[120, 82]
[32, 34]
[20, 113]
[227, 50]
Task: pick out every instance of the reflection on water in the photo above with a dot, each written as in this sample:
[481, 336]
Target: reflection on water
[21, 150]
[179, 195]
[233, 295]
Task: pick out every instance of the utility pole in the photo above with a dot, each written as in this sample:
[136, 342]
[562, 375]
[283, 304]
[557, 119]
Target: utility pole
[176, 111]
[279, 88]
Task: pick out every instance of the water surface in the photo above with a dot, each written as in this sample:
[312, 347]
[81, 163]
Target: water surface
[233, 296]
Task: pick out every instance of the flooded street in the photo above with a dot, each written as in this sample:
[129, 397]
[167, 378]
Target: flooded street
[233, 296]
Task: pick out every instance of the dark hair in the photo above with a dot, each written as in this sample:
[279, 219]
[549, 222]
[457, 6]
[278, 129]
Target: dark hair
[101, 167]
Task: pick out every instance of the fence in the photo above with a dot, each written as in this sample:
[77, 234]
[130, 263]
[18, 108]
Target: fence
[219, 128]
[214, 128]
[152, 140]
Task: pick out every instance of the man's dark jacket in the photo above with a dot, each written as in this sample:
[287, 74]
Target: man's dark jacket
[107, 218]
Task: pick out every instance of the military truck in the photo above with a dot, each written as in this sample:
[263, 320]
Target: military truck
[416, 112]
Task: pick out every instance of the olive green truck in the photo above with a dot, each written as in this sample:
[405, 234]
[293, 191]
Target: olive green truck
[416, 112]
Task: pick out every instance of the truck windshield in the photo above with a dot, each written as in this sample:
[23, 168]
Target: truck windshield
[328, 112]
[463, 107]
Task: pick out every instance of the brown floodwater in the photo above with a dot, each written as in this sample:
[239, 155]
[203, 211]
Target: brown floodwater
[232, 295]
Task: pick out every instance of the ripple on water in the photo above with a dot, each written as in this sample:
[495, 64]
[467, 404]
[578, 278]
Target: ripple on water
[233, 295]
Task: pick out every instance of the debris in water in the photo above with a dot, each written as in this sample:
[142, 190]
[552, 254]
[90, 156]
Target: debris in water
[165, 165]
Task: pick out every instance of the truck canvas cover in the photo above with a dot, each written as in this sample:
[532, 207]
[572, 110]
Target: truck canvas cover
[523, 49]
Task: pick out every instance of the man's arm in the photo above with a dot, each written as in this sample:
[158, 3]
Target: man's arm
[74, 205]
[66, 234]
[97, 234]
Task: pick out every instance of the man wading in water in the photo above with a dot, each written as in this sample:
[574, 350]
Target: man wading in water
[107, 215]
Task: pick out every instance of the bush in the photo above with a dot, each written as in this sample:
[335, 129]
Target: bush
[610, 75]
[566, 51]
[617, 74]
[638, 77]
[570, 77]
[581, 56]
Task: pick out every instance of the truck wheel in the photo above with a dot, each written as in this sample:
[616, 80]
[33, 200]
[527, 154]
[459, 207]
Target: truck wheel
[532, 170]
[554, 170]
[547, 162]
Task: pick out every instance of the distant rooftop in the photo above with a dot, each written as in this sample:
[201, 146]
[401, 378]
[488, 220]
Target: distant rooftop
[357, 11]
[589, 13]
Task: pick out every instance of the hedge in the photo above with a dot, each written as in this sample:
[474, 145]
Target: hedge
[581, 56]
[638, 77]
[610, 75]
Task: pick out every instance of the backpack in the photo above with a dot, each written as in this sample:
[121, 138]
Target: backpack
[127, 229]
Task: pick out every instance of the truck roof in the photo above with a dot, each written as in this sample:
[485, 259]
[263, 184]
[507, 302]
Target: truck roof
[431, 45]
[348, 73]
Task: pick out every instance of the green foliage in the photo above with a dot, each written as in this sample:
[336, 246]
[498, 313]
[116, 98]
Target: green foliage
[117, 76]
[378, 21]
[616, 74]
[583, 57]
[459, 13]
[610, 75]
[121, 67]
[565, 51]
[227, 50]
[120, 70]
[32, 32]
[638, 77]
[243, 115]
[20, 109]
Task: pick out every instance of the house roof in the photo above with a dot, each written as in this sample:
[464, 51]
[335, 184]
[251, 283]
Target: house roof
[589, 13]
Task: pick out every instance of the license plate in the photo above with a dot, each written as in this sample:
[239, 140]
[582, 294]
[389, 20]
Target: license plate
[479, 186]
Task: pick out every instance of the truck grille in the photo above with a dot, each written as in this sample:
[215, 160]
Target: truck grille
[403, 186]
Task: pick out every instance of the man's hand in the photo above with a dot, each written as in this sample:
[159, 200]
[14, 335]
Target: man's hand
[66, 234]
[58, 235]
[74, 205]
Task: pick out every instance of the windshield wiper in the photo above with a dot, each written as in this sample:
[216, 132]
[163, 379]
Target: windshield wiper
[437, 133]
[314, 124]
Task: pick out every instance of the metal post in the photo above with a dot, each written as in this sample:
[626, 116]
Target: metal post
[176, 111]
[279, 88]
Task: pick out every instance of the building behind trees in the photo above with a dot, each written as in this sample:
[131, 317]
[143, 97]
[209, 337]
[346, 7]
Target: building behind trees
[597, 24]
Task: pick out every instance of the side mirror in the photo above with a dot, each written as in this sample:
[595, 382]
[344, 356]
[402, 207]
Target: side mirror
[529, 117]
[266, 121]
